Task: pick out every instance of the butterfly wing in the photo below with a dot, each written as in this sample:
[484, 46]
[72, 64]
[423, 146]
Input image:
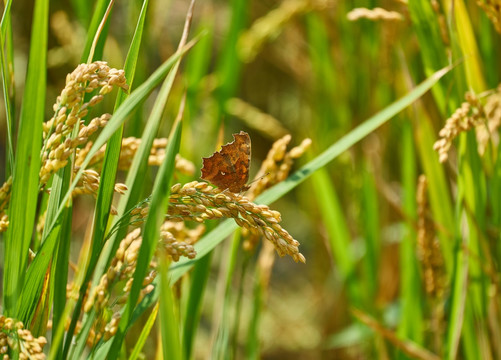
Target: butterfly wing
[229, 167]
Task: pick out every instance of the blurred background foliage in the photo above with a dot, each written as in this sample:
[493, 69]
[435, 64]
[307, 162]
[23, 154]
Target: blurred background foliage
[317, 69]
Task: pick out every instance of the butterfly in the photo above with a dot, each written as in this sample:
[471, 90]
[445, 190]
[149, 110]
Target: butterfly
[229, 167]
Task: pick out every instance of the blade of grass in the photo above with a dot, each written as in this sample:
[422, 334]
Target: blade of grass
[6, 80]
[432, 50]
[471, 184]
[59, 187]
[411, 324]
[329, 102]
[61, 272]
[191, 317]
[4, 23]
[83, 11]
[222, 348]
[158, 206]
[169, 326]
[458, 297]
[371, 226]
[238, 314]
[24, 191]
[197, 65]
[136, 351]
[339, 235]
[252, 344]
[229, 65]
[57, 274]
[466, 37]
[495, 204]
[98, 14]
[38, 326]
[100, 36]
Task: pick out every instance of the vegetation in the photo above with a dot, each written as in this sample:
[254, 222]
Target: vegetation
[376, 164]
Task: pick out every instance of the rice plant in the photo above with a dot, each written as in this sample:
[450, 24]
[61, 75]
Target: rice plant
[365, 154]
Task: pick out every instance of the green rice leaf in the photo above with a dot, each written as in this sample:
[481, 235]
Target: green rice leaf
[158, 206]
[169, 319]
[24, 191]
[97, 16]
[191, 316]
[136, 351]
[6, 62]
[411, 324]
